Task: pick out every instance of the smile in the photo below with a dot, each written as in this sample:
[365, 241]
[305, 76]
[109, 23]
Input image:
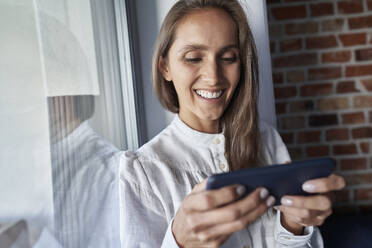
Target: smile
[209, 94]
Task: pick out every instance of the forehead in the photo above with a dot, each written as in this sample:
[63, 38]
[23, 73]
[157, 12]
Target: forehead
[212, 27]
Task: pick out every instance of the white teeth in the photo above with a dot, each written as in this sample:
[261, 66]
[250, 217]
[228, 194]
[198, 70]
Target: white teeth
[209, 94]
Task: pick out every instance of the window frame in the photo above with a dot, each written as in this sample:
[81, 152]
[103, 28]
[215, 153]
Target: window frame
[130, 73]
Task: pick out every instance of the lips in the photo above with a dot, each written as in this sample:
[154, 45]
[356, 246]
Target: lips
[209, 94]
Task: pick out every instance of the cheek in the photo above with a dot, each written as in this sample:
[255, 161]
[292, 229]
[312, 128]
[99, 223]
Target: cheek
[183, 88]
[233, 75]
[183, 77]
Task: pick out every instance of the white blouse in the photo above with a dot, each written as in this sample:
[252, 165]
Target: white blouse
[157, 177]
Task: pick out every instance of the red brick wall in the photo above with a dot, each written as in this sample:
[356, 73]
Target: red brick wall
[322, 69]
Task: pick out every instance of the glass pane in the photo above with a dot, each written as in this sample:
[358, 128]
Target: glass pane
[62, 124]
[84, 169]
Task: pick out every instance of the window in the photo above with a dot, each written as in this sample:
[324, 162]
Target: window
[67, 108]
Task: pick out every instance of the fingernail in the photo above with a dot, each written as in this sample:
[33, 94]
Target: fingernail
[286, 201]
[240, 190]
[270, 201]
[308, 187]
[264, 193]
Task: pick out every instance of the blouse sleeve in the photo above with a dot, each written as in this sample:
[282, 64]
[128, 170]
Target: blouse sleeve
[143, 221]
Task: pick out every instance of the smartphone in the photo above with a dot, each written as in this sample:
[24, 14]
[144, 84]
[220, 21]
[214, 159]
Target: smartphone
[279, 180]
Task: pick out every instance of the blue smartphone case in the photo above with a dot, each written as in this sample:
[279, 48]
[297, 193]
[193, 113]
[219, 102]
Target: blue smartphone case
[280, 180]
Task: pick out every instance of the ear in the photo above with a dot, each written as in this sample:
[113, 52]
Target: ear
[164, 69]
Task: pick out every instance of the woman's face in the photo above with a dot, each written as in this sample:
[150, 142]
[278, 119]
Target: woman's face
[204, 66]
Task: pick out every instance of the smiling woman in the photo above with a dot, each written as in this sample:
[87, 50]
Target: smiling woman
[205, 70]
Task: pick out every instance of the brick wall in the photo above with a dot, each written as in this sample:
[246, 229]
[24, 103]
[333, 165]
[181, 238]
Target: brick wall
[322, 71]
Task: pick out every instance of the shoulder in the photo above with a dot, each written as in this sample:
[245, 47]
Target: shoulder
[156, 184]
[274, 148]
[162, 162]
[168, 147]
[153, 162]
[132, 170]
[157, 146]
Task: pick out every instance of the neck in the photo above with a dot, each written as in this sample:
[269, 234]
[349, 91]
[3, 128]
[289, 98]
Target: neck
[205, 126]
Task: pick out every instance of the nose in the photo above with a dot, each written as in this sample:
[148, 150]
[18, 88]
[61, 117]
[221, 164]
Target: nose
[211, 72]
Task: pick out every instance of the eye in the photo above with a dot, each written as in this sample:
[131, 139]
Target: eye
[230, 59]
[193, 57]
[193, 60]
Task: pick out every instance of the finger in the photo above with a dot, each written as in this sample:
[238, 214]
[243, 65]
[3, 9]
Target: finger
[200, 186]
[234, 226]
[300, 213]
[203, 244]
[292, 218]
[315, 202]
[322, 185]
[234, 211]
[205, 200]
[321, 218]
[305, 216]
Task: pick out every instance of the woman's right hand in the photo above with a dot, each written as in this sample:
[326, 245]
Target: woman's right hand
[208, 218]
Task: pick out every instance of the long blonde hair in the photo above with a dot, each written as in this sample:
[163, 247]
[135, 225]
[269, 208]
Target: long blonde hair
[240, 119]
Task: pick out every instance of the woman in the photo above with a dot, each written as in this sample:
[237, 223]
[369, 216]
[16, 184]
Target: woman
[205, 70]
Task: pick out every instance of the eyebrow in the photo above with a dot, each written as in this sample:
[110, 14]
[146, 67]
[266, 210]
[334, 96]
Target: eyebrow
[192, 47]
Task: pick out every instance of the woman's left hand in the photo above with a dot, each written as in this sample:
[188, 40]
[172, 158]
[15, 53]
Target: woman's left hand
[301, 211]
